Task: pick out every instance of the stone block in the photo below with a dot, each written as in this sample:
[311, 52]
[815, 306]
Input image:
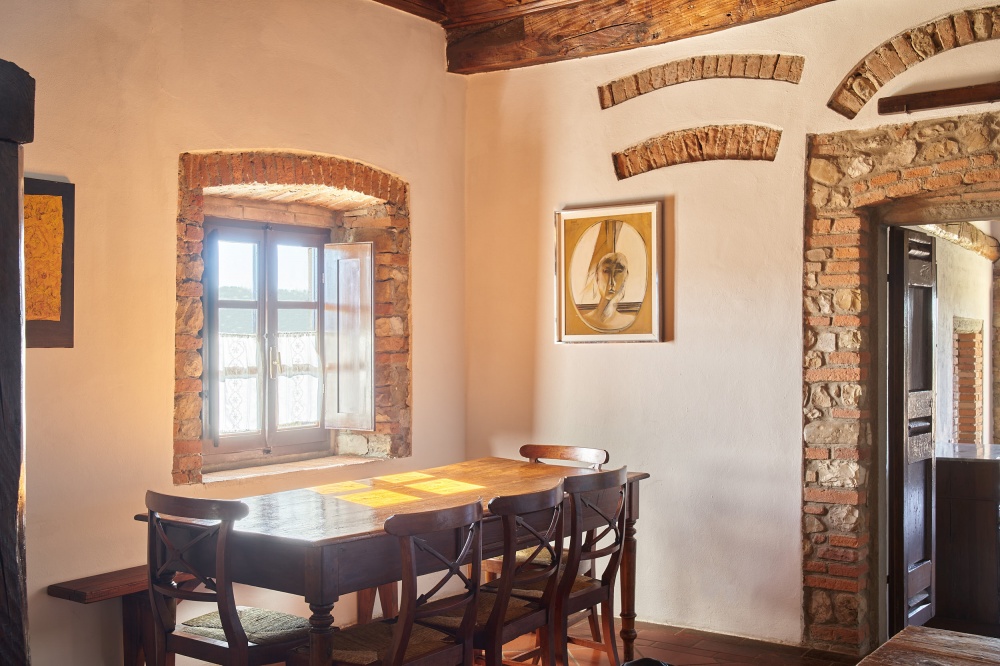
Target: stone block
[351, 444]
[827, 433]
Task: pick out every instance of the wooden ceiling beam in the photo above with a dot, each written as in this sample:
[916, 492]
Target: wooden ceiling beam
[428, 9]
[592, 27]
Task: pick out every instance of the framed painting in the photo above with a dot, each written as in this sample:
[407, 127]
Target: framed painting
[608, 274]
[48, 263]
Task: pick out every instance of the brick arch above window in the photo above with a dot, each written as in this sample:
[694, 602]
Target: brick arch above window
[368, 204]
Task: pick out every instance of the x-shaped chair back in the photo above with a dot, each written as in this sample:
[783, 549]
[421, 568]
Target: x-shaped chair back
[190, 550]
[423, 536]
[519, 514]
[603, 495]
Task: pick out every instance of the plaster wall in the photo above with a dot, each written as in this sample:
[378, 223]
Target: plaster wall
[714, 414]
[964, 289]
[125, 86]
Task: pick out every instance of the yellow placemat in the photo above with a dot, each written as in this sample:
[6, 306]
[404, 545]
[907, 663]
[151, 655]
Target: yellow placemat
[377, 498]
[444, 486]
[342, 487]
[405, 477]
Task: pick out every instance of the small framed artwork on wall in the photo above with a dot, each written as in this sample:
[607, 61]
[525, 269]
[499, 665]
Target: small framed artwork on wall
[608, 274]
[48, 263]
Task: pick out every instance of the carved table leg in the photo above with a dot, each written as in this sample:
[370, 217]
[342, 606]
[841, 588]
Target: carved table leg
[628, 632]
[321, 634]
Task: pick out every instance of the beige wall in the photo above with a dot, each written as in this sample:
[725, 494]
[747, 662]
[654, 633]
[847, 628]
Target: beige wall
[123, 88]
[715, 414]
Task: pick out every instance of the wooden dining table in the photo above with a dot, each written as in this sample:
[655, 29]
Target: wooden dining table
[326, 541]
[924, 646]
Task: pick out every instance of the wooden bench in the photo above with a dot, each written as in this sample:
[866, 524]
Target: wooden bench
[130, 585]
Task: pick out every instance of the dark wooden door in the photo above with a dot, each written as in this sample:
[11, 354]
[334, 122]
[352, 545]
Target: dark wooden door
[911, 428]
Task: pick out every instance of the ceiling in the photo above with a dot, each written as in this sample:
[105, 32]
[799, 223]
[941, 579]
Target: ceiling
[490, 35]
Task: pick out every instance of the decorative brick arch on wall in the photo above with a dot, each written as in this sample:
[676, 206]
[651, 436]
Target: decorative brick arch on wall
[757, 66]
[371, 205]
[854, 181]
[698, 144]
[909, 48]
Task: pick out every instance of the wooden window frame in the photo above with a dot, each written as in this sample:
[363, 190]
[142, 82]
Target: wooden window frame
[270, 444]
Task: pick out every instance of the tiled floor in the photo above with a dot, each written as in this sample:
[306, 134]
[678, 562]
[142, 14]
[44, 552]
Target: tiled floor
[687, 647]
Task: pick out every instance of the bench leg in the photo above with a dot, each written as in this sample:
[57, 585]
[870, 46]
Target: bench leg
[132, 628]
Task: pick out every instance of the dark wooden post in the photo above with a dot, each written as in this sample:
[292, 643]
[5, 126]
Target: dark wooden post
[17, 126]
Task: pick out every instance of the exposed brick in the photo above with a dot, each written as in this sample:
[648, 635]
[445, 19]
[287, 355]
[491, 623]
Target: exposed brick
[817, 454]
[884, 179]
[814, 566]
[848, 541]
[837, 554]
[829, 583]
[983, 176]
[834, 240]
[903, 189]
[833, 375]
[844, 358]
[941, 182]
[831, 496]
[814, 509]
[848, 570]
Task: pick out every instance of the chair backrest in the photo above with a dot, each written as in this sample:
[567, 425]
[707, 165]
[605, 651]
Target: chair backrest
[594, 457]
[186, 546]
[532, 521]
[435, 540]
[601, 496]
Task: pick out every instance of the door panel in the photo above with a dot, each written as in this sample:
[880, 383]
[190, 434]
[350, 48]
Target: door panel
[911, 428]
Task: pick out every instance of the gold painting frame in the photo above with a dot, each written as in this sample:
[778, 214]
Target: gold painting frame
[608, 274]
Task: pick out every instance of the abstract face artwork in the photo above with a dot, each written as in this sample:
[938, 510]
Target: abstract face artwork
[607, 274]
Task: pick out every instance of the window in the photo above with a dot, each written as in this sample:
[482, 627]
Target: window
[282, 343]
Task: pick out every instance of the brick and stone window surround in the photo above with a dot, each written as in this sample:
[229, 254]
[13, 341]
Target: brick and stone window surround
[967, 396]
[357, 202]
[855, 180]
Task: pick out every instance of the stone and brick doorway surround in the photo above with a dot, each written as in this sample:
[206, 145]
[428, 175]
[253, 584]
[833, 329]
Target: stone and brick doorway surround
[942, 170]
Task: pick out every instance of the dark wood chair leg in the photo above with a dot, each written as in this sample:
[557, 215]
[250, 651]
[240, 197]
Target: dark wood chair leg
[366, 605]
[608, 620]
[388, 599]
[595, 626]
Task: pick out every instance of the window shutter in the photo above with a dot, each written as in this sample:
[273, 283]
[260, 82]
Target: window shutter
[349, 344]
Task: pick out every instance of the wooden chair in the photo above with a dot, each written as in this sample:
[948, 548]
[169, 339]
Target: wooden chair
[429, 540]
[536, 453]
[534, 520]
[230, 635]
[602, 494]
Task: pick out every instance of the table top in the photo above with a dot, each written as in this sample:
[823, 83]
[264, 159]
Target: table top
[968, 451]
[348, 510]
[921, 645]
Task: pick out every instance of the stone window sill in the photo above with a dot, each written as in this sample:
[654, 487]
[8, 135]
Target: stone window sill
[237, 477]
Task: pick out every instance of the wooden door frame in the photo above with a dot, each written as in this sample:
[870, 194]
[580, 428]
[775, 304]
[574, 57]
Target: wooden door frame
[17, 120]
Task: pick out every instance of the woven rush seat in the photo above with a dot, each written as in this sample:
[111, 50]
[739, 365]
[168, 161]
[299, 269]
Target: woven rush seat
[263, 627]
[365, 644]
[450, 622]
[534, 591]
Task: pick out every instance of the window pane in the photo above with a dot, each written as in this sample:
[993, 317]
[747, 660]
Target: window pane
[237, 271]
[298, 387]
[296, 274]
[239, 372]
